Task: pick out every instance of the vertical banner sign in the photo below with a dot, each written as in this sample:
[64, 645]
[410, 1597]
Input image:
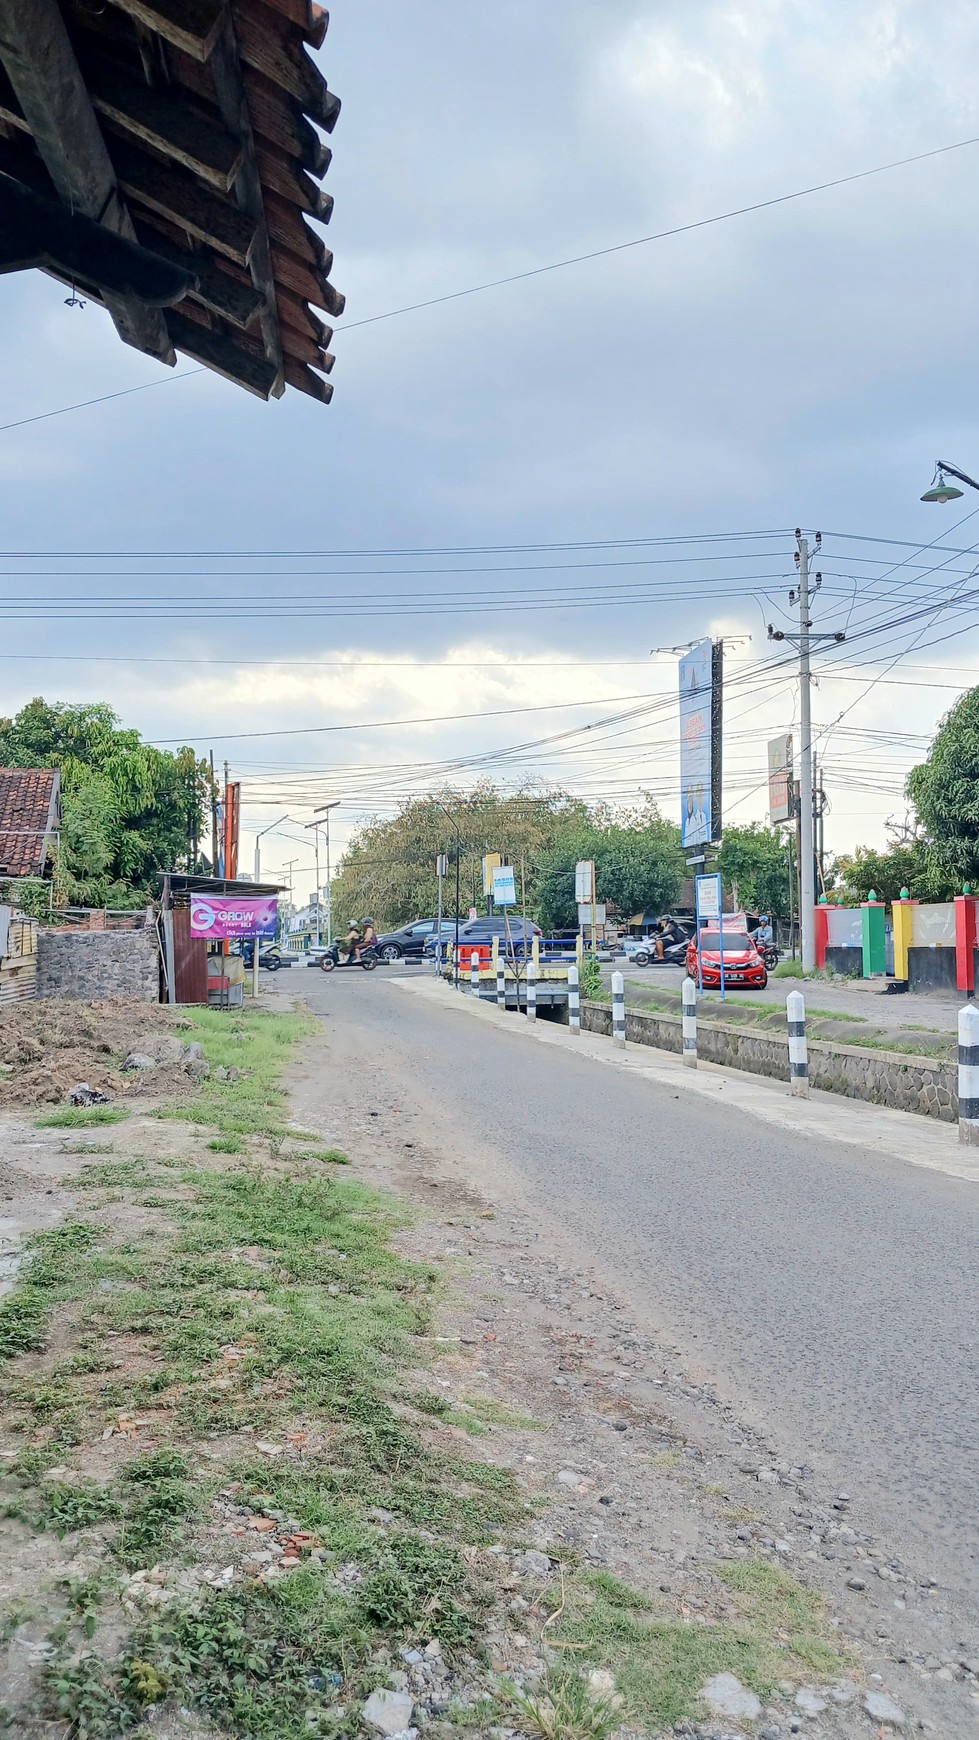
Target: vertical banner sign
[584, 882]
[504, 886]
[491, 863]
[780, 808]
[710, 911]
[696, 737]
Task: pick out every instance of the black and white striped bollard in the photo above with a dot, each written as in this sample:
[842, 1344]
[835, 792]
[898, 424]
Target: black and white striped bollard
[574, 1000]
[474, 972]
[531, 990]
[795, 1009]
[689, 994]
[969, 1074]
[618, 1010]
[501, 981]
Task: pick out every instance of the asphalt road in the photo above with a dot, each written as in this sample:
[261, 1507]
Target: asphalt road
[832, 1293]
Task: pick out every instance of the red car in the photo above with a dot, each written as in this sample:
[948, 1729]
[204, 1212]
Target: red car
[743, 964]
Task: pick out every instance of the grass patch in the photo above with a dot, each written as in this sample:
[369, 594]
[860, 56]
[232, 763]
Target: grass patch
[257, 1043]
[495, 1413]
[226, 1145]
[54, 1271]
[660, 1664]
[79, 1117]
[328, 1156]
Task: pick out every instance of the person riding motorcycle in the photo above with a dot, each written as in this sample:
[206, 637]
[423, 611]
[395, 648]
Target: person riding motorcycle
[353, 941]
[669, 932]
[764, 935]
[368, 935]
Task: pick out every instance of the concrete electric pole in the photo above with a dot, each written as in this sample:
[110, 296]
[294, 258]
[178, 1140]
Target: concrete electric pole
[804, 640]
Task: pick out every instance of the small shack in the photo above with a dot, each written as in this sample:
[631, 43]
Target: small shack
[194, 969]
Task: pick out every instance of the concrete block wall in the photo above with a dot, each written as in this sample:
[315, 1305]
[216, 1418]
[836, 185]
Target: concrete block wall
[92, 965]
[884, 1078]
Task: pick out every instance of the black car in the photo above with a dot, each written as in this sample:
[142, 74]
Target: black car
[483, 930]
[408, 943]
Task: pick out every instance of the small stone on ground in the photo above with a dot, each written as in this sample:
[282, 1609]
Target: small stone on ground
[724, 1695]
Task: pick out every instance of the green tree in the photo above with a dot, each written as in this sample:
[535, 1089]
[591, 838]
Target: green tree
[388, 870]
[130, 809]
[944, 790]
[639, 865]
[755, 860]
[904, 864]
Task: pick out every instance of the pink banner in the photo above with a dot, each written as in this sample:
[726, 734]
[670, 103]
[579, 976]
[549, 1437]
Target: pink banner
[231, 917]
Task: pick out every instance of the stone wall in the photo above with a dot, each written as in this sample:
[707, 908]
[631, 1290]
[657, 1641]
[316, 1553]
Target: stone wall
[884, 1078]
[91, 965]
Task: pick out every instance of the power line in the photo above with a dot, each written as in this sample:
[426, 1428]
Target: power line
[103, 399]
[657, 236]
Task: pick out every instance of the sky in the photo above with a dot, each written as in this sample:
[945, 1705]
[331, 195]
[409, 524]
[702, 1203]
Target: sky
[668, 414]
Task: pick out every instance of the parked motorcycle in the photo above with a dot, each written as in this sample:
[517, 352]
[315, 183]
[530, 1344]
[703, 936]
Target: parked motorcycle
[330, 959]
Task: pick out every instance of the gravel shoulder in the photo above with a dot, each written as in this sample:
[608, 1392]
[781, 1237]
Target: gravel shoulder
[648, 1468]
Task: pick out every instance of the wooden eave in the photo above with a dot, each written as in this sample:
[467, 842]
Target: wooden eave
[192, 131]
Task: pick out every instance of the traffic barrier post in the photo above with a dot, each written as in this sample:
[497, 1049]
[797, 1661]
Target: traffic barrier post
[474, 972]
[618, 1010]
[969, 1074]
[574, 1000]
[501, 981]
[689, 994]
[795, 1009]
[531, 990]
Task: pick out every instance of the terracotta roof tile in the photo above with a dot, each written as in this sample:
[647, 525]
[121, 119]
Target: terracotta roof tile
[28, 816]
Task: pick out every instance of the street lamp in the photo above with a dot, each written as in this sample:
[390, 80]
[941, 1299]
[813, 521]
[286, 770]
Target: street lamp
[258, 850]
[324, 810]
[940, 490]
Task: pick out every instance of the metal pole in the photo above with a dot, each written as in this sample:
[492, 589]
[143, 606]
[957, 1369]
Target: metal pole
[256, 947]
[329, 887]
[455, 974]
[438, 933]
[807, 895]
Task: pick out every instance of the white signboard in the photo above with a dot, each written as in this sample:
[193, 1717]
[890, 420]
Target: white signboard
[442, 865]
[504, 886]
[585, 912]
[709, 896]
[584, 881]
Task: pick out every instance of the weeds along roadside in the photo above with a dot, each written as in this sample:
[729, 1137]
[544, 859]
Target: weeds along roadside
[203, 1371]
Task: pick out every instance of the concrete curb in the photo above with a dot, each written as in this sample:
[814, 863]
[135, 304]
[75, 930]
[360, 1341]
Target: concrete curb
[878, 1130]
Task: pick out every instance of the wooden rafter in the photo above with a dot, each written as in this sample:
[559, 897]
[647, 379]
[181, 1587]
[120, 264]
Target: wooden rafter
[190, 25]
[53, 98]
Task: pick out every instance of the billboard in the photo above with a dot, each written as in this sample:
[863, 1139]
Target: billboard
[231, 918]
[584, 881]
[699, 739]
[780, 804]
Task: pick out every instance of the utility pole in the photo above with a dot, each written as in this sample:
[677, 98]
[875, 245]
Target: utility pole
[804, 640]
[807, 889]
[324, 810]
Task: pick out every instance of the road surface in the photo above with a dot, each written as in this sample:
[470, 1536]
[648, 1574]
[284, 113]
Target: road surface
[831, 1293]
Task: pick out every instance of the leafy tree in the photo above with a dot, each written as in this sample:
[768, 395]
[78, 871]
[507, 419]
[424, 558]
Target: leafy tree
[388, 870]
[129, 809]
[756, 861]
[639, 865]
[944, 790]
[902, 865]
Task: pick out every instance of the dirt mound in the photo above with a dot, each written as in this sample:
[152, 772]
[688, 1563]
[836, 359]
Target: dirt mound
[46, 1047]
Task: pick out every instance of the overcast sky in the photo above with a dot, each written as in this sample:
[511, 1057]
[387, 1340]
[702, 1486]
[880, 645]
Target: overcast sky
[800, 365]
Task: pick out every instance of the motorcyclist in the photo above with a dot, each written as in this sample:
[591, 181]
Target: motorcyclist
[368, 935]
[764, 934]
[669, 933]
[353, 941]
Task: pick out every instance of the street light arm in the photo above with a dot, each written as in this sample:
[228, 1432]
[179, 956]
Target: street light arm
[954, 471]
